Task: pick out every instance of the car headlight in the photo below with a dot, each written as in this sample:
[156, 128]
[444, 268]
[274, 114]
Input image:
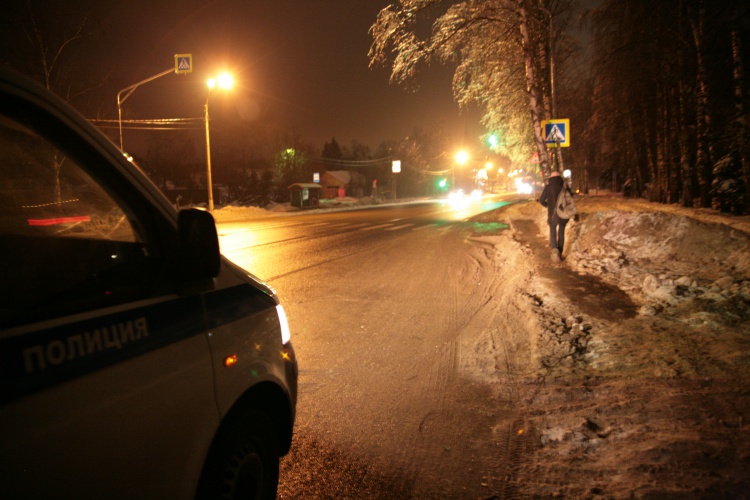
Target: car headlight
[286, 334]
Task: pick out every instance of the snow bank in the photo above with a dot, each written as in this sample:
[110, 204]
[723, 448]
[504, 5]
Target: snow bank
[232, 212]
[651, 405]
[661, 259]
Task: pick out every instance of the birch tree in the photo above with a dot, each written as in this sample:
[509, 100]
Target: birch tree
[496, 47]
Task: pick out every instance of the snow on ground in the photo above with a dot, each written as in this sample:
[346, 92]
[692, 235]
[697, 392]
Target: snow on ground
[630, 361]
[230, 212]
[663, 257]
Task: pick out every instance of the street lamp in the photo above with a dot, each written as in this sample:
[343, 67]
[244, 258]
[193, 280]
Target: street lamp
[223, 81]
[462, 157]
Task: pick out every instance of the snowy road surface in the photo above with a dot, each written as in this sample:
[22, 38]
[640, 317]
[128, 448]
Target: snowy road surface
[455, 361]
[380, 314]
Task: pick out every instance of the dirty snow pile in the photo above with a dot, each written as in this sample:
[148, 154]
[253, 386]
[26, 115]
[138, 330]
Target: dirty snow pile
[650, 401]
[665, 259]
[238, 212]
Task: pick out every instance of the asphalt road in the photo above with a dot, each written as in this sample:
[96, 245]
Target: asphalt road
[275, 246]
[377, 301]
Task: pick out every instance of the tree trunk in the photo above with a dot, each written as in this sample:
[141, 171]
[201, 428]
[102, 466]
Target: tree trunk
[703, 120]
[58, 163]
[686, 167]
[631, 159]
[675, 193]
[651, 161]
[741, 115]
[662, 145]
[532, 88]
[650, 152]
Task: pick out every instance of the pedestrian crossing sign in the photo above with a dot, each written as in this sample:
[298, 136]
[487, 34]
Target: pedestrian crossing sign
[556, 132]
[183, 63]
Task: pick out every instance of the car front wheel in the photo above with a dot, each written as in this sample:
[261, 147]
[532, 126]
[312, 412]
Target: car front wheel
[243, 462]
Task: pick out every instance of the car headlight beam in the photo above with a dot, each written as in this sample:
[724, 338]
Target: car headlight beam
[286, 334]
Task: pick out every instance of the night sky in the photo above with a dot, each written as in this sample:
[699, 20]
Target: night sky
[301, 64]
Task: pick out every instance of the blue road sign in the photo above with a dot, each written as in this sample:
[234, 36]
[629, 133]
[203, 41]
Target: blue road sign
[183, 63]
[556, 132]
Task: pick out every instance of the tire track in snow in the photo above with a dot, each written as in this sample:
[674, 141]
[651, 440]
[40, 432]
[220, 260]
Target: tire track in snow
[416, 454]
[425, 459]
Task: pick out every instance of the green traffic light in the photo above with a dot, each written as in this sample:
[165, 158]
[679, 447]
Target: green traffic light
[443, 183]
[493, 140]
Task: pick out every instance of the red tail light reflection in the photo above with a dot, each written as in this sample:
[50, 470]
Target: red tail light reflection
[59, 220]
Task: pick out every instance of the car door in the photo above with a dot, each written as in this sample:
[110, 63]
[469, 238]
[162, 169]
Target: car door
[106, 385]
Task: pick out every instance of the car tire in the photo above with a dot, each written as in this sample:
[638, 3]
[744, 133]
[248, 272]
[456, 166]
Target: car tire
[243, 462]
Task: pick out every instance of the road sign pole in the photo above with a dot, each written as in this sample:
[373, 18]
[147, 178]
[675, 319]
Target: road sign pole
[129, 91]
[183, 63]
[209, 183]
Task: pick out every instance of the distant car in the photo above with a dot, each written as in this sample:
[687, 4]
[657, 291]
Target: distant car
[456, 194]
[136, 361]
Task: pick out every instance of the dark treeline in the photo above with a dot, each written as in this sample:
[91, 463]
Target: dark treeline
[669, 103]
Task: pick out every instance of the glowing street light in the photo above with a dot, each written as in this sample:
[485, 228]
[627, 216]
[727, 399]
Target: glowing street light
[462, 158]
[223, 81]
[226, 82]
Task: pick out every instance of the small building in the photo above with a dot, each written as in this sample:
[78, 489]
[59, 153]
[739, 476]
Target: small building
[305, 195]
[335, 183]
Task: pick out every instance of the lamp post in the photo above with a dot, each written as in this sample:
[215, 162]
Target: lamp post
[223, 81]
[462, 157]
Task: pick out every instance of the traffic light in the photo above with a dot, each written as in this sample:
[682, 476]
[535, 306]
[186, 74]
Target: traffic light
[493, 140]
[443, 183]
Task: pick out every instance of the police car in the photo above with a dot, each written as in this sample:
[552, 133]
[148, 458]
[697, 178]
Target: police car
[135, 360]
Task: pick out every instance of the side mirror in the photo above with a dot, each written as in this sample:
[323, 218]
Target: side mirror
[199, 258]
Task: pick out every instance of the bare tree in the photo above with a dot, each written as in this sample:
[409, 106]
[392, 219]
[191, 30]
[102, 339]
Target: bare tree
[48, 40]
[46, 45]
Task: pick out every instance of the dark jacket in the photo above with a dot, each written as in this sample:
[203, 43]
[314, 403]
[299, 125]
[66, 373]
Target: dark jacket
[549, 198]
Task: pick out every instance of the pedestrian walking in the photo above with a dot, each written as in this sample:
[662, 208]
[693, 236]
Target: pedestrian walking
[556, 223]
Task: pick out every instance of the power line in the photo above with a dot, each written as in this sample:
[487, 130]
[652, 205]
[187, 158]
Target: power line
[377, 162]
[430, 172]
[152, 124]
[188, 124]
[355, 163]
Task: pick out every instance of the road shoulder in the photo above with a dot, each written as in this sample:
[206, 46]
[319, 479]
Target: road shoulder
[634, 402]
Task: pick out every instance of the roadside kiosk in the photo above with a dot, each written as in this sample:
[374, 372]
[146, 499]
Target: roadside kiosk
[305, 195]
